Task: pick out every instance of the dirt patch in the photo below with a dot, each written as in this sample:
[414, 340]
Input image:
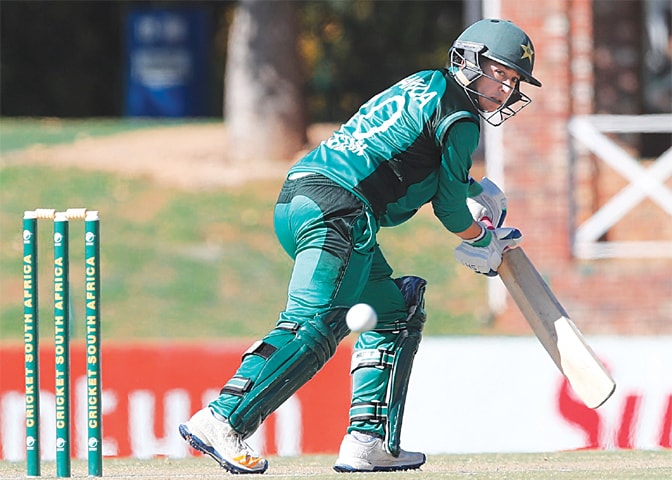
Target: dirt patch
[188, 156]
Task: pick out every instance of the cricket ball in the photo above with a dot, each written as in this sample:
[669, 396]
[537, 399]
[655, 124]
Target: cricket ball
[361, 318]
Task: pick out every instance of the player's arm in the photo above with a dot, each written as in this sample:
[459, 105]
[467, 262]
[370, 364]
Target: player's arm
[481, 249]
[450, 200]
[458, 189]
[472, 233]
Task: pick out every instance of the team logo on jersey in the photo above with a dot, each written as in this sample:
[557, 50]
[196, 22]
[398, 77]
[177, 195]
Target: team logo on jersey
[527, 52]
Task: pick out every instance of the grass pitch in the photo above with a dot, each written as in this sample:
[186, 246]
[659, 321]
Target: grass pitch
[580, 465]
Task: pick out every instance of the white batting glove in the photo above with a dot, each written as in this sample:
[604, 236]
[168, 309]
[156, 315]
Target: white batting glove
[486, 199]
[483, 254]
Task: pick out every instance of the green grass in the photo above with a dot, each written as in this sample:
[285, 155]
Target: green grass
[180, 265]
[18, 133]
[585, 465]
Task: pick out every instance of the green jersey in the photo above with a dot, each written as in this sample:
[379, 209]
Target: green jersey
[407, 146]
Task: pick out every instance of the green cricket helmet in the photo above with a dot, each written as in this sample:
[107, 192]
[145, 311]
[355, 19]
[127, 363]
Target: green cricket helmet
[503, 42]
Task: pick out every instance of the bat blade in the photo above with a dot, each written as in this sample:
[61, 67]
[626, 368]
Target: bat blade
[555, 330]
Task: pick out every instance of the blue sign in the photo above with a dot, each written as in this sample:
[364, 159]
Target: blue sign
[167, 54]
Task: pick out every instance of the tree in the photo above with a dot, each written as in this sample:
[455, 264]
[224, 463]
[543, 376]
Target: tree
[263, 101]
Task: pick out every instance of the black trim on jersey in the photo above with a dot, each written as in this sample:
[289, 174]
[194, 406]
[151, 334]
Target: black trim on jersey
[392, 179]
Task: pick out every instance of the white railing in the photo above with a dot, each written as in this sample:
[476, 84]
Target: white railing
[588, 131]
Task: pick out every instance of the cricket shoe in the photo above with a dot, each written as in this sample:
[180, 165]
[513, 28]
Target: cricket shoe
[217, 439]
[361, 452]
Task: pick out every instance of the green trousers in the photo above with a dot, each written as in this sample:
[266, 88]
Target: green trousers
[331, 236]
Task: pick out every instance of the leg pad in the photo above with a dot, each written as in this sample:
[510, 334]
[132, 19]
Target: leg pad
[276, 367]
[381, 369]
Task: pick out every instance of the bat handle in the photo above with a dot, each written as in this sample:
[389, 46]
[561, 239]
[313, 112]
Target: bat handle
[487, 222]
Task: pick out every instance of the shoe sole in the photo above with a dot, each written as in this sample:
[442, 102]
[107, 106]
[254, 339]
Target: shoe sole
[342, 468]
[197, 444]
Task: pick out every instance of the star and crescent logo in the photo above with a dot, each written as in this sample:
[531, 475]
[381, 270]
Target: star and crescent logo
[527, 52]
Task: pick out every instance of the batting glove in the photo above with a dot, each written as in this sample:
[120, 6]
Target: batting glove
[486, 199]
[483, 254]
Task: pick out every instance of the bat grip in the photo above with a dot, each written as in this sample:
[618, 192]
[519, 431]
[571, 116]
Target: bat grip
[487, 222]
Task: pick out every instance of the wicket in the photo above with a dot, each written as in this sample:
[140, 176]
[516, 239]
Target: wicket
[62, 331]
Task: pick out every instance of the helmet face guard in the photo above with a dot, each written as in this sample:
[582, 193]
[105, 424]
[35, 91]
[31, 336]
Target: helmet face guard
[465, 67]
[500, 41]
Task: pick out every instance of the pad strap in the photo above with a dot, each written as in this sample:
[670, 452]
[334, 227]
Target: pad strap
[374, 412]
[371, 358]
[236, 386]
[239, 385]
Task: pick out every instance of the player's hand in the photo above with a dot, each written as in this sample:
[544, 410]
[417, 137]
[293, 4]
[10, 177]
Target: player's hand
[484, 254]
[486, 199]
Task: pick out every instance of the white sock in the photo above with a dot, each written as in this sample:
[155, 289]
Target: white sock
[217, 416]
[363, 436]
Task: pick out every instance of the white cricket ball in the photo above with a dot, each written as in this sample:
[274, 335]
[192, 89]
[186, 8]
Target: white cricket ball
[361, 318]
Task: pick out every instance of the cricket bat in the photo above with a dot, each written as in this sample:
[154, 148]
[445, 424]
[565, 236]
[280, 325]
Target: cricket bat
[555, 330]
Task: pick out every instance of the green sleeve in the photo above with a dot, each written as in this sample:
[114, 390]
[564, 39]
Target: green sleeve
[449, 203]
